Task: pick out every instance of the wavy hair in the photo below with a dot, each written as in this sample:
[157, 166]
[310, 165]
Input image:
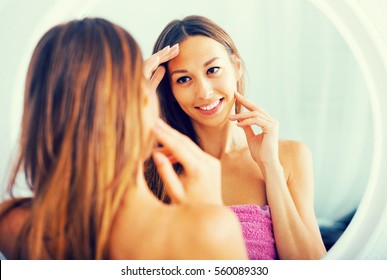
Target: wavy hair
[81, 139]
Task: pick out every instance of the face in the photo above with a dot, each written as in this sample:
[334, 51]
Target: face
[203, 79]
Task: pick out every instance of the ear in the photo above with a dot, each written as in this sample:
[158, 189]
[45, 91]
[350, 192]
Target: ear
[238, 66]
[145, 96]
[145, 100]
[149, 102]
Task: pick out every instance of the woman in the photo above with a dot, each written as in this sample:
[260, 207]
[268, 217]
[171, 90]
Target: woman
[201, 96]
[90, 120]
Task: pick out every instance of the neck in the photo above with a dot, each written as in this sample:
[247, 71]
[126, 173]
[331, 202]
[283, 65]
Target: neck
[222, 139]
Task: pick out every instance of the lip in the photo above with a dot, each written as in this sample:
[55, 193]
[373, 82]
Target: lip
[213, 110]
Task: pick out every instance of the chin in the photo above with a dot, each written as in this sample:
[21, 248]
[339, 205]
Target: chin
[214, 122]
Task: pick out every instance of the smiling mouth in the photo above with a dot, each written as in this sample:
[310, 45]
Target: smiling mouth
[210, 108]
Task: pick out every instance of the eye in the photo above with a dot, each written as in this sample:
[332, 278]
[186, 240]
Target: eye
[213, 70]
[183, 80]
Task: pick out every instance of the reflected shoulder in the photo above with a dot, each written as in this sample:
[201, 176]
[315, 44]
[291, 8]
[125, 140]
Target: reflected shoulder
[291, 151]
[297, 162]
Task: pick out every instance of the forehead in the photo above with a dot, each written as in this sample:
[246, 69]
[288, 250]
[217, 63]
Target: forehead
[198, 50]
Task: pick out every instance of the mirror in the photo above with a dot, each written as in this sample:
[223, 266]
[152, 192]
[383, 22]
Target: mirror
[299, 68]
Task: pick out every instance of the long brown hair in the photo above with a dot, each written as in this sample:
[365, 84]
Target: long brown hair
[81, 138]
[176, 32]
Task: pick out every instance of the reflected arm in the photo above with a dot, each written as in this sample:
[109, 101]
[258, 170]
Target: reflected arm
[291, 202]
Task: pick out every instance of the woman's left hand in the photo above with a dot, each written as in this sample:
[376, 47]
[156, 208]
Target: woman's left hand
[263, 146]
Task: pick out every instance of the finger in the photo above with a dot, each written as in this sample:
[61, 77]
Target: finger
[169, 53]
[172, 136]
[156, 78]
[167, 153]
[246, 115]
[263, 124]
[151, 64]
[248, 131]
[181, 147]
[248, 104]
[168, 175]
[267, 128]
[178, 144]
[161, 56]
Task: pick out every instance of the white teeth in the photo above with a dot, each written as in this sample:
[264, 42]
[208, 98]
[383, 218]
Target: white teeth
[211, 106]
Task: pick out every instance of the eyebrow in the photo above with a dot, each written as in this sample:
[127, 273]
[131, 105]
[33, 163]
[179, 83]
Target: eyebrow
[210, 61]
[185, 71]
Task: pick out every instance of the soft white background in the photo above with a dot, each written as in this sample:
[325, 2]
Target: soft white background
[299, 69]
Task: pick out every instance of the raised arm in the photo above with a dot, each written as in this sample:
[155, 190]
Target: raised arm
[290, 196]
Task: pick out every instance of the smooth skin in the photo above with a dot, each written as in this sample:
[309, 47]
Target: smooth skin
[218, 235]
[185, 229]
[146, 228]
[257, 168]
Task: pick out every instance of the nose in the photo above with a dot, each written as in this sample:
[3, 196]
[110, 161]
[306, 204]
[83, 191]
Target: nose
[204, 88]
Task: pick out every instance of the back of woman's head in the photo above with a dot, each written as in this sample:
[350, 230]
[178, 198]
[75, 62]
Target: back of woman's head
[81, 138]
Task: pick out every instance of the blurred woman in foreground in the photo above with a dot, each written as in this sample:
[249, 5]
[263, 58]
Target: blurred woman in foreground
[90, 121]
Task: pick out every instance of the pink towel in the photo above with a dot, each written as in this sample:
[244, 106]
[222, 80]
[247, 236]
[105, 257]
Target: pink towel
[257, 231]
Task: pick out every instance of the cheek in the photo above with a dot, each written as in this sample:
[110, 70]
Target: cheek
[227, 84]
[183, 96]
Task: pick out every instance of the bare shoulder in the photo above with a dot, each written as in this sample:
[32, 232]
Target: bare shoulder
[294, 155]
[11, 222]
[208, 232]
[297, 161]
[176, 231]
[290, 150]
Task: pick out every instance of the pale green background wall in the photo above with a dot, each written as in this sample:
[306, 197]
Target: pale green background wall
[299, 69]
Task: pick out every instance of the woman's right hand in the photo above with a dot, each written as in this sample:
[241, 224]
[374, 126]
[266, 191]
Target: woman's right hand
[153, 71]
[201, 180]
